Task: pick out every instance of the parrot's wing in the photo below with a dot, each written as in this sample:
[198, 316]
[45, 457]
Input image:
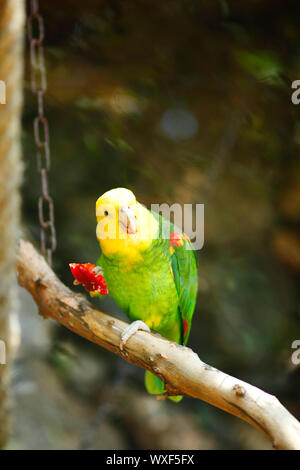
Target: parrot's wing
[185, 270]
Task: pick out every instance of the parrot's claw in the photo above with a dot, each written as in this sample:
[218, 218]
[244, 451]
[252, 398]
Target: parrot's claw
[97, 270]
[131, 330]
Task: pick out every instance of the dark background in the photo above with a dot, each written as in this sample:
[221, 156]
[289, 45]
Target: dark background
[180, 101]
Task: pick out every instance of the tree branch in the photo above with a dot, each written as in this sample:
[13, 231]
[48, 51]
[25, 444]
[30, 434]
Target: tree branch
[178, 366]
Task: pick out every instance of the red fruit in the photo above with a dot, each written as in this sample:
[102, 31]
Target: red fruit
[85, 275]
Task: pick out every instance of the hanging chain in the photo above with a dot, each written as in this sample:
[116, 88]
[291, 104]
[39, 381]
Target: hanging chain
[41, 129]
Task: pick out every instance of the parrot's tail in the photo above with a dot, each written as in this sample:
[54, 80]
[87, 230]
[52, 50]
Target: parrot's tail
[155, 386]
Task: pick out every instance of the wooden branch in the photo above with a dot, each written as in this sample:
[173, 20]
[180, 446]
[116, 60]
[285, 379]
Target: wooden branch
[178, 366]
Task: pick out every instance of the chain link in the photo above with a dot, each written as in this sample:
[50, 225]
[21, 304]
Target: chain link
[36, 34]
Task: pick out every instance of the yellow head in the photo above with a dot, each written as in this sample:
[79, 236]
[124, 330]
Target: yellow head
[125, 227]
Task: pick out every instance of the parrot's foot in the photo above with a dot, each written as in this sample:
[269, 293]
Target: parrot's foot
[97, 270]
[131, 330]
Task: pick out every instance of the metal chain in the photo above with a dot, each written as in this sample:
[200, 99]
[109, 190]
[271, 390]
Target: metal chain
[41, 129]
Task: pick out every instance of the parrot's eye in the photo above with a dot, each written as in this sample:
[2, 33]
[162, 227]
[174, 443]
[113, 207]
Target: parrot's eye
[105, 212]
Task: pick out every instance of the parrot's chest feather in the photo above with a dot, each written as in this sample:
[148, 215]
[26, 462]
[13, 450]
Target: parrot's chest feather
[144, 289]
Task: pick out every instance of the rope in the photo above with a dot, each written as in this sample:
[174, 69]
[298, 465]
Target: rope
[11, 72]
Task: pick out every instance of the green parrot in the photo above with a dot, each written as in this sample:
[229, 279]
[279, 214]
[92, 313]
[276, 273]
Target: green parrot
[148, 266]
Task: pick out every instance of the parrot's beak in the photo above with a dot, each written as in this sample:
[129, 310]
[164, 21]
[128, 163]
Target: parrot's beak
[127, 220]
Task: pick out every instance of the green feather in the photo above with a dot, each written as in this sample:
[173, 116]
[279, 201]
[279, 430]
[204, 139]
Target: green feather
[185, 270]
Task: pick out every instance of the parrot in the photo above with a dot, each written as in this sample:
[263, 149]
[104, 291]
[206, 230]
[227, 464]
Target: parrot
[148, 266]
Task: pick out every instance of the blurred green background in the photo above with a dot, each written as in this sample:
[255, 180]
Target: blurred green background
[183, 101]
